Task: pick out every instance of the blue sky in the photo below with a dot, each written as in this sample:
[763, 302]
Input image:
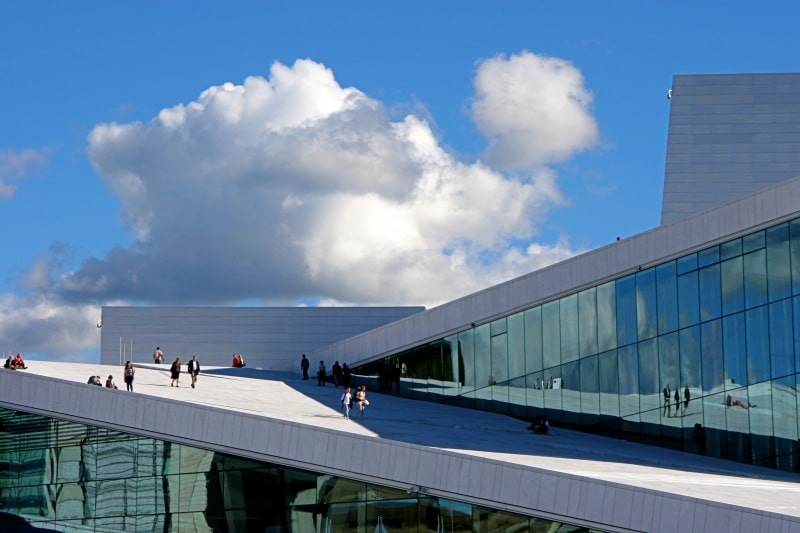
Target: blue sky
[265, 153]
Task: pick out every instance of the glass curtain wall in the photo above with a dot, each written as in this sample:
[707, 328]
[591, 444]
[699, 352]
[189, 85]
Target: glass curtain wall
[700, 353]
[63, 476]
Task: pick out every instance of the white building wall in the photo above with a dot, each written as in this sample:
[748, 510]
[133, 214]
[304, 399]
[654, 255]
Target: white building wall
[268, 337]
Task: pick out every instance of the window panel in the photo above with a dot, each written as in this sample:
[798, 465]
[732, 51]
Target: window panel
[730, 249]
[587, 321]
[690, 355]
[483, 361]
[779, 274]
[590, 397]
[450, 364]
[607, 316]
[784, 408]
[629, 381]
[732, 283]
[755, 279]
[646, 310]
[568, 309]
[516, 345]
[754, 241]
[781, 339]
[757, 335]
[667, 297]
[669, 370]
[649, 389]
[570, 391]
[466, 360]
[688, 300]
[713, 369]
[533, 339]
[734, 348]
[499, 374]
[626, 310]
[794, 251]
[707, 257]
[609, 383]
[687, 263]
[710, 292]
[551, 335]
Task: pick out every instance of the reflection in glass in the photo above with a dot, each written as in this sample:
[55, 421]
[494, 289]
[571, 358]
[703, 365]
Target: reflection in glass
[516, 345]
[779, 276]
[757, 342]
[533, 339]
[568, 321]
[626, 310]
[755, 279]
[732, 285]
[710, 292]
[483, 394]
[646, 310]
[688, 300]
[499, 375]
[587, 321]
[667, 297]
[200, 490]
[649, 389]
[607, 316]
[551, 334]
[781, 340]
[629, 382]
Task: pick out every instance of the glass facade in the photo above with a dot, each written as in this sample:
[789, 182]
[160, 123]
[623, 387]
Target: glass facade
[57, 475]
[700, 353]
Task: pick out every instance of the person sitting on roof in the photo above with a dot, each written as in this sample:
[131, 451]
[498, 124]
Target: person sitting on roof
[540, 425]
[9, 362]
[19, 363]
[94, 380]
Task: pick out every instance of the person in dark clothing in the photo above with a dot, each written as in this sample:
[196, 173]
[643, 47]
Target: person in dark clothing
[321, 374]
[128, 373]
[304, 364]
[699, 437]
[347, 373]
[175, 373]
[396, 373]
[686, 396]
[193, 368]
[336, 369]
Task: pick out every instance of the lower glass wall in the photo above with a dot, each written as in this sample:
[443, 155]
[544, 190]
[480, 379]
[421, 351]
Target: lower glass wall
[63, 476]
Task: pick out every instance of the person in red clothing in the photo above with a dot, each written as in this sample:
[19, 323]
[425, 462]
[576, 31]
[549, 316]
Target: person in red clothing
[19, 363]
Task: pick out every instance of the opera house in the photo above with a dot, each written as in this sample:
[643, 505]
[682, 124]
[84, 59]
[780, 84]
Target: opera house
[666, 362]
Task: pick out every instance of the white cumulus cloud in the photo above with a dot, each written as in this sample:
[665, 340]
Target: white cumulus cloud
[534, 109]
[291, 187]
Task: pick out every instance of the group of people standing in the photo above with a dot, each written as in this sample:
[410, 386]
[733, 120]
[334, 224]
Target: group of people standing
[669, 396]
[341, 373]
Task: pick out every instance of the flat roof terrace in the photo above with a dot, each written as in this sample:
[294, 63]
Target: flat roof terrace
[447, 451]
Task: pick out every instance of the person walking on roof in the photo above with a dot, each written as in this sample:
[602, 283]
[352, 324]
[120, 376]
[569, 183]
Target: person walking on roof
[194, 369]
